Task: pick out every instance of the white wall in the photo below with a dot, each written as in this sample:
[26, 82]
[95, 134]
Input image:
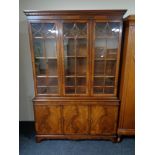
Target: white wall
[25, 68]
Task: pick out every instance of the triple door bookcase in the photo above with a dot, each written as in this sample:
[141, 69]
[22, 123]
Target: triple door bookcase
[75, 60]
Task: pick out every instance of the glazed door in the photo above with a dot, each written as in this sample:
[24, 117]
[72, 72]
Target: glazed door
[45, 57]
[75, 57]
[106, 53]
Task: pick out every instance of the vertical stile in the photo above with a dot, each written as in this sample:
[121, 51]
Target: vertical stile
[58, 51]
[105, 65]
[61, 39]
[118, 58]
[75, 73]
[32, 57]
[93, 25]
[89, 59]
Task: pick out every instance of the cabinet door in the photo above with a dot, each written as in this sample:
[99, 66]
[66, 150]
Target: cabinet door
[46, 58]
[103, 119]
[106, 58]
[75, 119]
[75, 55]
[47, 119]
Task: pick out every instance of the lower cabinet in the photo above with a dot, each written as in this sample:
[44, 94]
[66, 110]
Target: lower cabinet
[85, 120]
[103, 119]
[48, 119]
[75, 119]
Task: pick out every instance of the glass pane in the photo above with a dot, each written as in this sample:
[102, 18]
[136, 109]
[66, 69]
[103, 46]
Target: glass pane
[45, 52]
[69, 47]
[69, 66]
[98, 90]
[75, 29]
[111, 53]
[100, 53]
[99, 68]
[99, 81]
[81, 66]
[43, 30]
[38, 47]
[110, 68]
[41, 81]
[109, 81]
[105, 56]
[40, 66]
[50, 45]
[107, 29]
[81, 90]
[47, 90]
[70, 81]
[42, 90]
[52, 90]
[108, 90]
[81, 47]
[70, 90]
[52, 67]
[75, 57]
[52, 81]
[81, 81]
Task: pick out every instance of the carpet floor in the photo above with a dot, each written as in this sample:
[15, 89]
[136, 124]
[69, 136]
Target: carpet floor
[28, 146]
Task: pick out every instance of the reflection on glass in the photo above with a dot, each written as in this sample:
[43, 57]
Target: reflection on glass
[43, 30]
[100, 53]
[107, 29]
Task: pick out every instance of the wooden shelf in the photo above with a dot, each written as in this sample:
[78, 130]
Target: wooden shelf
[99, 59]
[75, 56]
[103, 76]
[44, 37]
[106, 37]
[46, 58]
[73, 76]
[103, 86]
[78, 86]
[40, 76]
[47, 86]
[78, 37]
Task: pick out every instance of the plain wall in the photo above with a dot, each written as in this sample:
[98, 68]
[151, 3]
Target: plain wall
[25, 68]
